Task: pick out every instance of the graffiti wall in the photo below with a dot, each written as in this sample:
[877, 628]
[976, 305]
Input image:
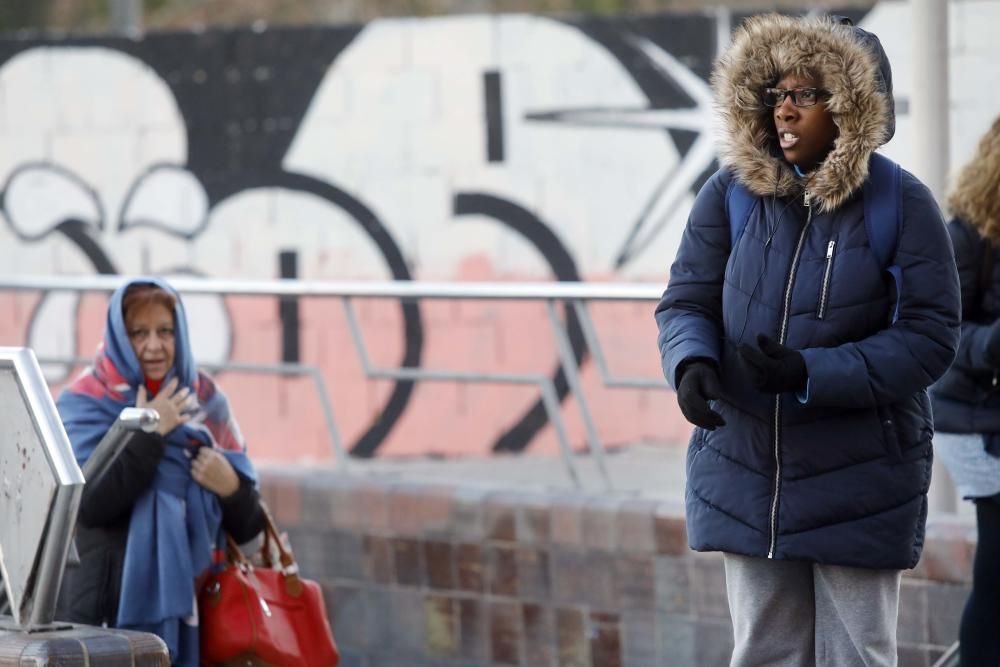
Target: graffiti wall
[500, 148]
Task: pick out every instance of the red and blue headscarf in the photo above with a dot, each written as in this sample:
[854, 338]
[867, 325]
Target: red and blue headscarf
[175, 524]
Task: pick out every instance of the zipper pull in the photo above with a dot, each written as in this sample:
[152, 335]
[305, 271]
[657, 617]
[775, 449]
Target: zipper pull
[995, 378]
[829, 252]
[807, 198]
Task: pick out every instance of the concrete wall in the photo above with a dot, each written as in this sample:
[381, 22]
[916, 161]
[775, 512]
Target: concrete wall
[452, 575]
[474, 147]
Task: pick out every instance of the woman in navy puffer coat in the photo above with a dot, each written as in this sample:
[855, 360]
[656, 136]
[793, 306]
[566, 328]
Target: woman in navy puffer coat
[812, 457]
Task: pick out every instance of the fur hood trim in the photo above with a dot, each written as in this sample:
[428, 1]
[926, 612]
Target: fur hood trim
[851, 65]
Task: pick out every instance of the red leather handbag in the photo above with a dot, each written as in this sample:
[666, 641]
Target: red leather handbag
[261, 614]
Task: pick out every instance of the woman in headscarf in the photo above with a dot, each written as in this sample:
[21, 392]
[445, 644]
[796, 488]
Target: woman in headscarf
[148, 527]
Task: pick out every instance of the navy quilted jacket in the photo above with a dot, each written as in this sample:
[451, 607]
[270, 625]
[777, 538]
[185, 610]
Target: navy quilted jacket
[967, 398]
[840, 473]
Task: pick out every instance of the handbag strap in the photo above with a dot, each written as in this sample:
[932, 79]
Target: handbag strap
[289, 568]
[234, 555]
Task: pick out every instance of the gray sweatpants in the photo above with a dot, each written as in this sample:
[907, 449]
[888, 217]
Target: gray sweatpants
[796, 614]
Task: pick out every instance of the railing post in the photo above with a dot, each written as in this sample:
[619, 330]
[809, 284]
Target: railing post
[571, 370]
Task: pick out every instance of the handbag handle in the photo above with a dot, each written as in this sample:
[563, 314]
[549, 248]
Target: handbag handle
[289, 568]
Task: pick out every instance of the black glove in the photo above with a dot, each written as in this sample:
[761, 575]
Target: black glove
[993, 344]
[699, 383]
[773, 368]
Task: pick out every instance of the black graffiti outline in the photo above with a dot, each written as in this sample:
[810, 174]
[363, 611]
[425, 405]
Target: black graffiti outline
[79, 232]
[76, 230]
[538, 233]
[413, 330]
[62, 171]
[133, 188]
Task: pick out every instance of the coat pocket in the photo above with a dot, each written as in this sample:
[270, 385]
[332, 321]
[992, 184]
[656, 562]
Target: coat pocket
[890, 434]
[824, 294]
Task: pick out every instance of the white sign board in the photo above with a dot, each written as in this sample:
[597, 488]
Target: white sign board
[40, 488]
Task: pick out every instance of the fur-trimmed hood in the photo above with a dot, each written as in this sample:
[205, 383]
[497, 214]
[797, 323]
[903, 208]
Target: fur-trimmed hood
[850, 63]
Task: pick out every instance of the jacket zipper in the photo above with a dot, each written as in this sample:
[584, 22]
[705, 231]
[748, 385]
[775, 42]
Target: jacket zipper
[782, 334]
[826, 280]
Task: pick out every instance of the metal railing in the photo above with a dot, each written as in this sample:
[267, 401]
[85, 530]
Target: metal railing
[575, 296]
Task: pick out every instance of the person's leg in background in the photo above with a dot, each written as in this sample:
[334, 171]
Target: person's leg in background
[771, 604]
[856, 615]
[979, 634]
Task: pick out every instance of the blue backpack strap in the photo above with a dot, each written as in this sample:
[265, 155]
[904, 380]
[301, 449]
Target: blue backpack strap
[883, 198]
[739, 206]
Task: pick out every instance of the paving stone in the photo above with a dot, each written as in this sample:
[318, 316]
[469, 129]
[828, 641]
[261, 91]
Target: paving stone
[677, 640]
[346, 607]
[572, 637]
[407, 557]
[605, 640]
[370, 503]
[539, 634]
[533, 582]
[713, 643]
[671, 531]
[600, 523]
[673, 584]
[377, 559]
[469, 568]
[570, 576]
[636, 580]
[709, 587]
[601, 590]
[947, 602]
[406, 620]
[566, 520]
[636, 526]
[912, 626]
[344, 555]
[500, 516]
[506, 632]
[473, 629]
[440, 565]
[502, 571]
[468, 514]
[441, 626]
[639, 639]
[534, 520]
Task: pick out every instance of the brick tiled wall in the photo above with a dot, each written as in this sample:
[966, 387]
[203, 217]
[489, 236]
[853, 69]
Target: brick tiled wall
[417, 575]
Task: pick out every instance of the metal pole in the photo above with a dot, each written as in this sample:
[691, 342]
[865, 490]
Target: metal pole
[929, 113]
[118, 436]
[126, 16]
[929, 99]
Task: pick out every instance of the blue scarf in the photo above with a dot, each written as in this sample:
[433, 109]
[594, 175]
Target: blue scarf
[175, 524]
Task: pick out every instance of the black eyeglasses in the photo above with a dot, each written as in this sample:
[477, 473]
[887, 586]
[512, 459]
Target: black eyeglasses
[801, 97]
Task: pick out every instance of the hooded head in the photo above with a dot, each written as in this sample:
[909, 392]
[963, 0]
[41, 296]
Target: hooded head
[122, 352]
[844, 60]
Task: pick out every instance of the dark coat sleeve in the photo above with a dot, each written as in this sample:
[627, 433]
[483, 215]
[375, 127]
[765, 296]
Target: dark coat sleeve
[969, 250]
[689, 316]
[242, 516]
[918, 347]
[108, 499]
